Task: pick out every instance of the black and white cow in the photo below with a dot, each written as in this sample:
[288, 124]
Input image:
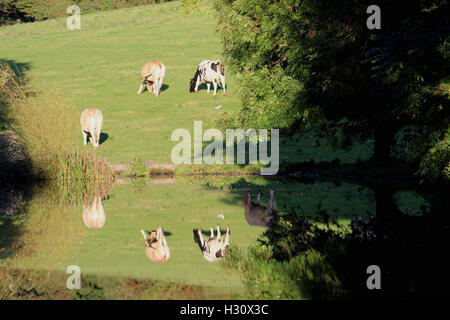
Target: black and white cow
[209, 71]
[214, 248]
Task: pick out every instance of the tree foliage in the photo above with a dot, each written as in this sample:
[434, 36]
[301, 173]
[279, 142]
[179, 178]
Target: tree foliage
[315, 63]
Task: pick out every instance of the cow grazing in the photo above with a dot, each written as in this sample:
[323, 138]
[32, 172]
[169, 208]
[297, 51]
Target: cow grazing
[152, 76]
[91, 124]
[215, 248]
[156, 247]
[93, 213]
[257, 214]
[209, 71]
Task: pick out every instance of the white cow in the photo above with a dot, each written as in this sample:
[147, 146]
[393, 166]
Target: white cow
[91, 124]
[94, 214]
[152, 76]
[209, 71]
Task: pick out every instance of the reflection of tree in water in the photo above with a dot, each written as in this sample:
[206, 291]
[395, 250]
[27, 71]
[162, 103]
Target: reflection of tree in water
[410, 250]
[15, 189]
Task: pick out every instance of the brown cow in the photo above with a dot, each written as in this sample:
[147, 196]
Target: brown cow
[156, 247]
[152, 76]
[256, 214]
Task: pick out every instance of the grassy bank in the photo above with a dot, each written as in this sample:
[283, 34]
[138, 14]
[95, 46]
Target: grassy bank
[47, 127]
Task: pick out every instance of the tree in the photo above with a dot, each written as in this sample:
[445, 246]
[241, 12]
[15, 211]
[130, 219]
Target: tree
[315, 63]
[10, 12]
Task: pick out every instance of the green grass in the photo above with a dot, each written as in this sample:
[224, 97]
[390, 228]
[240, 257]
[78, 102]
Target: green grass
[117, 249]
[98, 66]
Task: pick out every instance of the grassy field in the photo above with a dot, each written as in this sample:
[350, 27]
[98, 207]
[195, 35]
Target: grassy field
[98, 67]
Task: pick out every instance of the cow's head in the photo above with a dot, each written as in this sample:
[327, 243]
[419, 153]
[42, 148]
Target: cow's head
[194, 80]
[192, 85]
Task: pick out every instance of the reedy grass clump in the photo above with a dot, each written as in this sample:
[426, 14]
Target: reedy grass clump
[49, 129]
[302, 277]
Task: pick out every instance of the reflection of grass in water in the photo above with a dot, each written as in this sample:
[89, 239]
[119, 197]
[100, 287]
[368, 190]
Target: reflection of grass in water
[33, 284]
[55, 238]
[118, 249]
[51, 231]
[50, 234]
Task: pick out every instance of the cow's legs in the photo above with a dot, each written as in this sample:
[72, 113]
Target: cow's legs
[272, 201]
[208, 85]
[212, 233]
[197, 84]
[160, 82]
[84, 136]
[97, 136]
[222, 79]
[219, 236]
[93, 135]
[141, 88]
[227, 237]
[199, 231]
[215, 86]
[144, 235]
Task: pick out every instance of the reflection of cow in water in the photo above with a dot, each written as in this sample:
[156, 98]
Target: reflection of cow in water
[156, 247]
[93, 214]
[256, 214]
[214, 248]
